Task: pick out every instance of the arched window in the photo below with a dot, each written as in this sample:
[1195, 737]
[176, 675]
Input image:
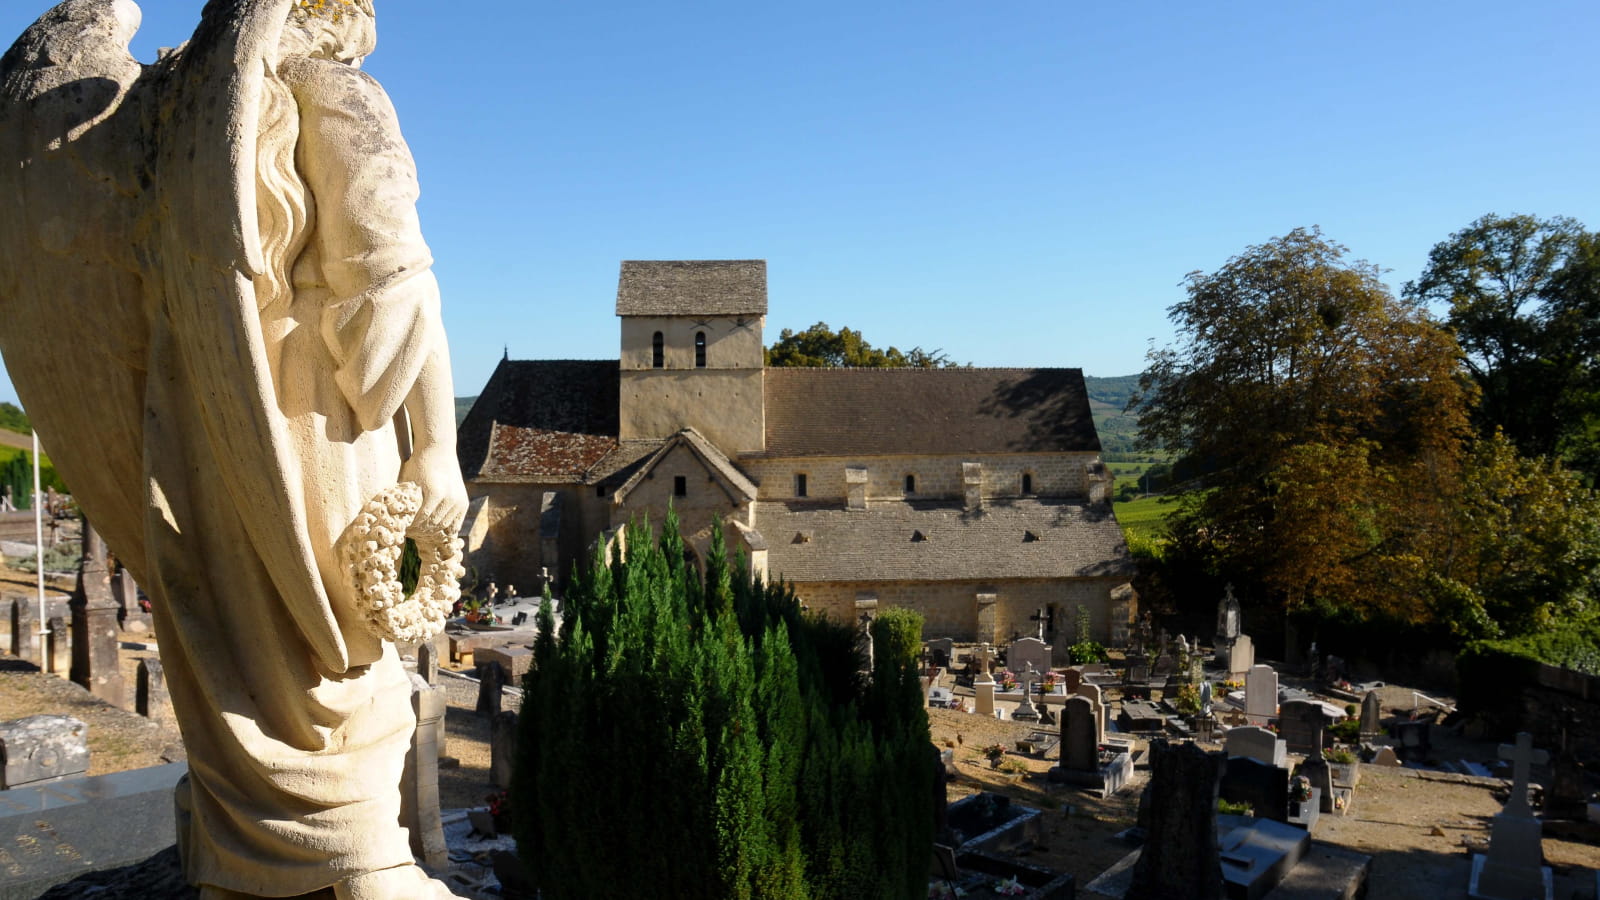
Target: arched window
[1027, 482]
[699, 349]
[911, 484]
[658, 351]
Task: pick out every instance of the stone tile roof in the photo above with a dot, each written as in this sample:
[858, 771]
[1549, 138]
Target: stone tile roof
[812, 543]
[541, 421]
[845, 412]
[710, 287]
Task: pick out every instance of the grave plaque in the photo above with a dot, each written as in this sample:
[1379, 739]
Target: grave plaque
[53, 833]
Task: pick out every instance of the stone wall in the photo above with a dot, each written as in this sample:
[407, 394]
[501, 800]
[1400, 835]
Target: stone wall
[729, 344]
[512, 553]
[937, 477]
[726, 406]
[964, 610]
[704, 497]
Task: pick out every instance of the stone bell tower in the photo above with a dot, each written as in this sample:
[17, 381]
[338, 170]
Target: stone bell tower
[692, 350]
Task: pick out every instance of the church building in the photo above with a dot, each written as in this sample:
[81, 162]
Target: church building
[975, 496]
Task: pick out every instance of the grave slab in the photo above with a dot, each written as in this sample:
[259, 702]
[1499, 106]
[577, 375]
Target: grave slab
[53, 833]
[42, 749]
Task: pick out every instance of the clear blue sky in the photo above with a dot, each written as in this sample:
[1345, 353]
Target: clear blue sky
[1018, 183]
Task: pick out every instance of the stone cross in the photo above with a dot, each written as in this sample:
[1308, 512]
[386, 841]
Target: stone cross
[984, 656]
[1041, 617]
[1522, 756]
[1027, 678]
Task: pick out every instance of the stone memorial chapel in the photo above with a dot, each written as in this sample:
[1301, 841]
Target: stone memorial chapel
[975, 496]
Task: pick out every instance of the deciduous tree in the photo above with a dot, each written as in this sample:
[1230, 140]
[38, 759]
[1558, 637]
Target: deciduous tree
[821, 347]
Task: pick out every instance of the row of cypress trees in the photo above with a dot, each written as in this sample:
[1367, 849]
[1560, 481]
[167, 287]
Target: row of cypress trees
[689, 737]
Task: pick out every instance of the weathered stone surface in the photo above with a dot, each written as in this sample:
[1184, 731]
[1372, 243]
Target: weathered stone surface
[514, 662]
[1180, 856]
[57, 832]
[1261, 694]
[428, 660]
[150, 692]
[95, 661]
[419, 801]
[1259, 744]
[42, 749]
[503, 748]
[1371, 715]
[490, 684]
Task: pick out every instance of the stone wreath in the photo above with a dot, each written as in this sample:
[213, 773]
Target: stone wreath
[371, 550]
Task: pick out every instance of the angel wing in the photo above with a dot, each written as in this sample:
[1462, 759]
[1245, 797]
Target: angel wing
[166, 283]
[72, 296]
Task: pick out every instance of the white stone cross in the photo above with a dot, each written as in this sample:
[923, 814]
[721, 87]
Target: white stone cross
[1522, 756]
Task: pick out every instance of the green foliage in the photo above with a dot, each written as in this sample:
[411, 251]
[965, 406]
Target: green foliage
[1341, 755]
[12, 418]
[1230, 808]
[1087, 652]
[1187, 699]
[63, 557]
[727, 745]
[821, 347]
[1347, 731]
[1523, 294]
[16, 473]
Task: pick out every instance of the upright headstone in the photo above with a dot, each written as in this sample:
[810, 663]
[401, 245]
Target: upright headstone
[419, 796]
[490, 682]
[1024, 651]
[1096, 697]
[1070, 679]
[58, 647]
[1514, 869]
[42, 749]
[125, 591]
[1265, 787]
[25, 630]
[1241, 656]
[1301, 722]
[1371, 715]
[150, 692]
[502, 748]
[96, 664]
[428, 661]
[1257, 743]
[940, 651]
[1180, 856]
[1080, 745]
[1261, 694]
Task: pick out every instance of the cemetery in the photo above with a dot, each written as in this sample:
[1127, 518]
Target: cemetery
[263, 662]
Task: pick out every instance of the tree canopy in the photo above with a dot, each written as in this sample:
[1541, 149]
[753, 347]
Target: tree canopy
[1523, 295]
[12, 418]
[821, 347]
[1319, 411]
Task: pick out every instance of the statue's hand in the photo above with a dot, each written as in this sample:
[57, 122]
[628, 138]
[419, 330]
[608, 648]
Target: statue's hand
[444, 496]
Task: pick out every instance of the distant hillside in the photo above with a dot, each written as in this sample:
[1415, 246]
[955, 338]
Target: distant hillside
[1108, 397]
[463, 405]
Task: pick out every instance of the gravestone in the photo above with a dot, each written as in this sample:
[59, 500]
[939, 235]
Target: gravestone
[503, 748]
[1180, 856]
[1024, 651]
[1301, 722]
[1265, 787]
[25, 630]
[1385, 756]
[1256, 743]
[419, 784]
[1514, 869]
[1414, 739]
[1241, 656]
[150, 692]
[1229, 625]
[1308, 719]
[125, 591]
[428, 660]
[489, 686]
[983, 695]
[55, 832]
[96, 664]
[514, 662]
[941, 651]
[1025, 711]
[58, 647]
[42, 749]
[1371, 715]
[1079, 741]
[1070, 679]
[1261, 694]
[1095, 696]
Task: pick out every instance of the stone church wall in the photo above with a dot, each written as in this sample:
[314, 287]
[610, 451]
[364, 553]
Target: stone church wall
[512, 552]
[937, 477]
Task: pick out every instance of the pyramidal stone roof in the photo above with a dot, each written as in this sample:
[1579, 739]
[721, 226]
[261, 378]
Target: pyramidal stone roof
[700, 287]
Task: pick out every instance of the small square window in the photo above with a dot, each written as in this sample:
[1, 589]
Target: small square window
[680, 486]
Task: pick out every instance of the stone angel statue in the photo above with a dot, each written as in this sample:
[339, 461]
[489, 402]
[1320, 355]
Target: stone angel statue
[219, 312]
